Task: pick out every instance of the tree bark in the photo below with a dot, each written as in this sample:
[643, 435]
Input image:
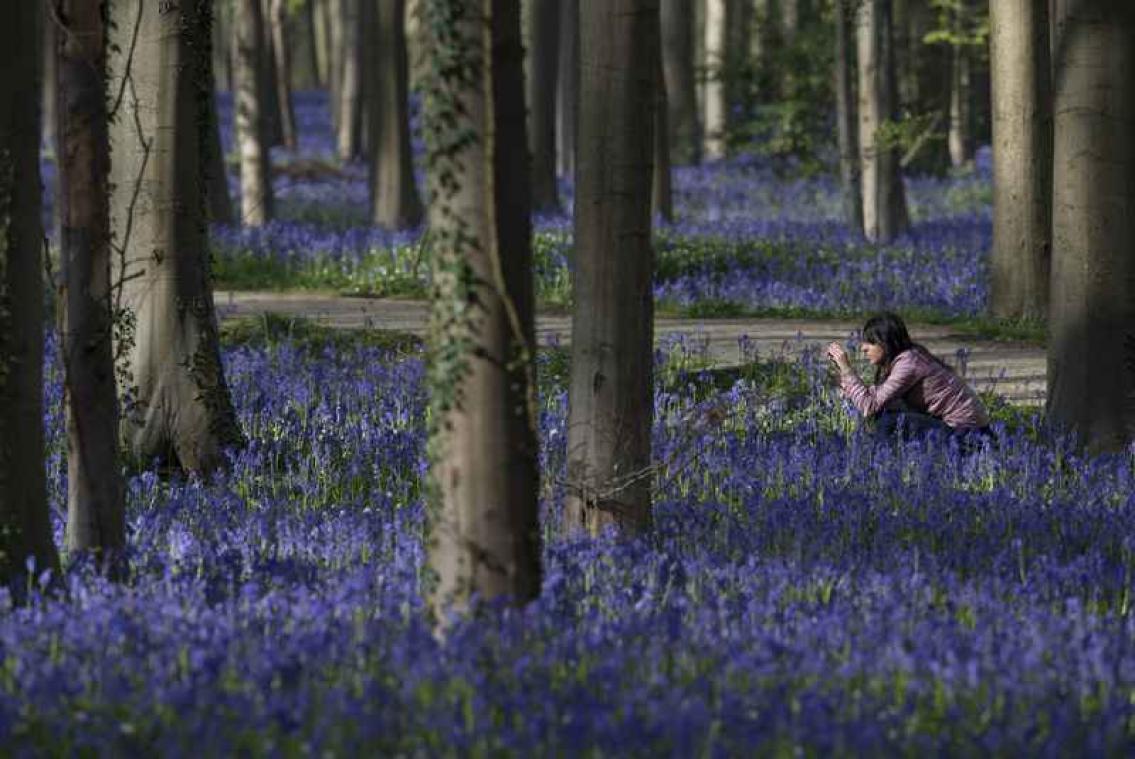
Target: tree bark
[177, 406]
[50, 87]
[321, 22]
[884, 200]
[394, 194]
[1091, 348]
[485, 537]
[96, 506]
[716, 106]
[959, 137]
[1022, 158]
[351, 84]
[282, 71]
[543, 57]
[222, 55]
[677, 24]
[661, 192]
[567, 88]
[336, 36]
[219, 199]
[301, 28]
[846, 116]
[251, 117]
[25, 525]
[611, 388]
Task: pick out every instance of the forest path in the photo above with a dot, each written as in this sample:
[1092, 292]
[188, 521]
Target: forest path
[1013, 370]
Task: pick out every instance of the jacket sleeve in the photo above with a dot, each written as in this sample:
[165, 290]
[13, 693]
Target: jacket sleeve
[870, 400]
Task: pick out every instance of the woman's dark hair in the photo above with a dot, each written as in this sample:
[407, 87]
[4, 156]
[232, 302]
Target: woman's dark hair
[888, 331]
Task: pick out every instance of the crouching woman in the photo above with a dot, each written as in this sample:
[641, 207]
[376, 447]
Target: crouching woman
[914, 393]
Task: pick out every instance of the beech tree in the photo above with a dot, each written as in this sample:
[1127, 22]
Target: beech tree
[251, 116]
[1091, 345]
[845, 115]
[96, 511]
[610, 397]
[677, 29]
[1022, 158]
[716, 106]
[394, 194]
[176, 404]
[282, 66]
[25, 526]
[350, 94]
[543, 58]
[567, 87]
[884, 199]
[485, 537]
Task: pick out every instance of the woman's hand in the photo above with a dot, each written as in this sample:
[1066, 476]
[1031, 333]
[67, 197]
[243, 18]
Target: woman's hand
[838, 356]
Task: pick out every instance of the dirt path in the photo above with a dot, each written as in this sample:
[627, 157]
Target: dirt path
[1015, 371]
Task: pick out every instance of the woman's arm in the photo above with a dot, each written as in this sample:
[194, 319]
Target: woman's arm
[870, 400]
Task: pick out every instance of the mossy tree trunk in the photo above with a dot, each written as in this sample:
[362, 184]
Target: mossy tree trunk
[25, 525]
[96, 509]
[394, 193]
[1091, 345]
[176, 404]
[611, 387]
[485, 538]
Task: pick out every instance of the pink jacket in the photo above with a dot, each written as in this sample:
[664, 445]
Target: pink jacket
[923, 385]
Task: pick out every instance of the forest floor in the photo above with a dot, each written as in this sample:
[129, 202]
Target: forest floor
[1013, 370]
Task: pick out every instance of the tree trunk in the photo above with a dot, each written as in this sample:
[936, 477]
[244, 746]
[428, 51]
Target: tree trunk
[219, 199]
[177, 405]
[845, 115]
[716, 107]
[884, 201]
[96, 506]
[270, 102]
[543, 57]
[661, 194]
[50, 87]
[301, 29]
[25, 524]
[351, 84]
[251, 118]
[611, 389]
[959, 137]
[1022, 158]
[321, 28]
[394, 195]
[677, 24]
[485, 540]
[282, 71]
[738, 23]
[337, 35]
[1091, 348]
[567, 88]
[222, 55]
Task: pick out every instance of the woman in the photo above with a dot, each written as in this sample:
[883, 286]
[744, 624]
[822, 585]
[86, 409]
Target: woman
[913, 391]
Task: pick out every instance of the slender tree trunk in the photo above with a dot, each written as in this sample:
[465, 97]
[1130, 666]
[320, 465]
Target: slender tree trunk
[738, 23]
[282, 61]
[1091, 348]
[884, 201]
[661, 194]
[271, 103]
[96, 507]
[543, 57]
[321, 29]
[220, 202]
[222, 73]
[611, 389]
[351, 84]
[845, 115]
[177, 405]
[251, 118]
[959, 137]
[337, 35]
[677, 24]
[716, 106]
[1022, 158]
[50, 86]
[25, 525]
[301, 29]
[394, 194]
[567, 88]
[485, 538]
